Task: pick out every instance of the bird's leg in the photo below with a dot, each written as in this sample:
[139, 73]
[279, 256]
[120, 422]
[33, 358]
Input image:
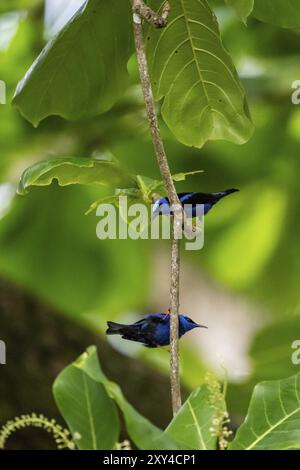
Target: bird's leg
[168, 313]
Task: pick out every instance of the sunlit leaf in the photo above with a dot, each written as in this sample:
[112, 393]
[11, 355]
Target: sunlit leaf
[273, 420]
[203, 97]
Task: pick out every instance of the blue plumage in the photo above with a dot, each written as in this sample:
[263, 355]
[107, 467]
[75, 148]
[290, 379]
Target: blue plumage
[190, 202]
[153, 330]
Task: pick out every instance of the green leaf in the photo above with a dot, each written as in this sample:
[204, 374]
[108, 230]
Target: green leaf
[103, 200]
[143, 192]
[273, 420]
[145, 435]
[242, 7]
[80, 73]
[148, 185]
[182, 176]
[192, 426]
[281, 13]
[203, 97]
[74, 170]
[90, 414]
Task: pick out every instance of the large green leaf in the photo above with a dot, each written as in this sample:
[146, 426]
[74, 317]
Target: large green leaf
[82, 71]
[282, 13]
[192, 426]
[242, 7]
[90, 414]
[75, 170]
[203, 97]
[273, 420]
[145, 435]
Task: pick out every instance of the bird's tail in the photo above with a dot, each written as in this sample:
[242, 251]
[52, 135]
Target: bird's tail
[230, 191]
[222, 194]
[114, 328]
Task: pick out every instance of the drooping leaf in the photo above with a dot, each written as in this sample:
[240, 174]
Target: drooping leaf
[192, 426]
[82, 71]
[281, 13]
[75, 170]
[273, 420]
[242, 7]
[144, 434]
[203, 97]
[89, 412]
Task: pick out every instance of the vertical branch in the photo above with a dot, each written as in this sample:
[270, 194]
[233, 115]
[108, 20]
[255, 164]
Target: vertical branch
[140, 10]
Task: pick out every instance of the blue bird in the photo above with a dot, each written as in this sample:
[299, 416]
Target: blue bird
[162, 205]
[153, 330]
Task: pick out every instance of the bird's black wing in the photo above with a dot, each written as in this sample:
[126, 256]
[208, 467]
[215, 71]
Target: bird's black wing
[148, 328]
[155, 319]
[196, 198]
[141, 331]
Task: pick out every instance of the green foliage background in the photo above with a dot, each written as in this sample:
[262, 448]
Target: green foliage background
[252, 252]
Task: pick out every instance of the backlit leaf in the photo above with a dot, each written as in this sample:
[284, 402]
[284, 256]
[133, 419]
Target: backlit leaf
[203, 97]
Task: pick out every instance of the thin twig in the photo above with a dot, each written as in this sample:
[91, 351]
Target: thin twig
[145, 12]
[173, 198]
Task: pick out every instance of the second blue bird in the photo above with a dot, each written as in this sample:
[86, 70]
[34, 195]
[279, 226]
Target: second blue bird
[153, 330]
[190, 201]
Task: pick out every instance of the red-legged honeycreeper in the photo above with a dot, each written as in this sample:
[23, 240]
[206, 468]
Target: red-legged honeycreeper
[153, 330]
[190, 201]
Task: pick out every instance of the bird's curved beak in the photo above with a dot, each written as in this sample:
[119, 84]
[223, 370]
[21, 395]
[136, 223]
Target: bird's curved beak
[201, 326]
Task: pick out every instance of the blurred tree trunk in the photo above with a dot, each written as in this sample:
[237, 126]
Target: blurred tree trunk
[40, 343]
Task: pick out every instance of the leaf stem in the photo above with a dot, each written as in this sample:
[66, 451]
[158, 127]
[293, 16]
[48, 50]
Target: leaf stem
[145, 12]
[171, 191]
